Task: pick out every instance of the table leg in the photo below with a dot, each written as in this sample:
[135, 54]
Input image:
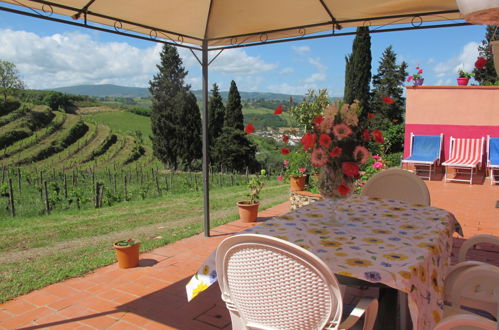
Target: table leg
[404, 315]
[387, 313]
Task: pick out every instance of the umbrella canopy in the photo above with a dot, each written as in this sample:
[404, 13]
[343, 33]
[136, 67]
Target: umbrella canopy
[219, 24]
[231, 22]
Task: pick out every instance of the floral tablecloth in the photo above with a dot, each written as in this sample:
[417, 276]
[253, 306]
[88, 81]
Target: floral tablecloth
[404, 246]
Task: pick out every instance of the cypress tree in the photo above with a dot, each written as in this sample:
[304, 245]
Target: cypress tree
[216, 114]
[487, 75]
[358, 71]
[234, 110]
[234, 151]
[389, 81]
[175, 116]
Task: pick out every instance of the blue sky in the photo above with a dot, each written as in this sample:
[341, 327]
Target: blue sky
[49, 55]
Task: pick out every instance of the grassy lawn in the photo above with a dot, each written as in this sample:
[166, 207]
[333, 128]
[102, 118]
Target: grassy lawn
[38, 251]
[124, 122]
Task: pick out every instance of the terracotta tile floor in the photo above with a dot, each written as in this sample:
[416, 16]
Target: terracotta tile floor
[152, 296]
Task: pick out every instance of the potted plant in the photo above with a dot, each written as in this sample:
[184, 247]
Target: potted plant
[417, 78]
[296, 168]
[127, 253]
[464, 77]
[248, 209]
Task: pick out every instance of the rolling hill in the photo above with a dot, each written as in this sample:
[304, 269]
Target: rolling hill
[132, 92]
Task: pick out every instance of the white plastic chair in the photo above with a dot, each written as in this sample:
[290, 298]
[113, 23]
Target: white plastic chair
[465, 321]
[474, 240]
[396, 183]
[268, 283]
[475, 287]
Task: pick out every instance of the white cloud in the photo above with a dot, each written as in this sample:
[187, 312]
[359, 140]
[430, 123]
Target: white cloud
[287, 70]
[447, 71]
[74, 58]
[317, 63]
[316, 77]
[301, 49]
[236, 61]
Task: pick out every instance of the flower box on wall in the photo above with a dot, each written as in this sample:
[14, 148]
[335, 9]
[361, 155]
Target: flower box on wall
[480, 11]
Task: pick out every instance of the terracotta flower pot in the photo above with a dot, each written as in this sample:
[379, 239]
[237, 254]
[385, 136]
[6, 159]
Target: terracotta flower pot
[463, 81]
[128, 256]
[297, 183]
[248, 212]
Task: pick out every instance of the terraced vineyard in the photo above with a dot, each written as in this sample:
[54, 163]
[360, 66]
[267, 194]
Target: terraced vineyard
[70, 162]
[67, 141]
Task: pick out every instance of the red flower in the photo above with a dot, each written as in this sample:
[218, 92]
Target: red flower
[350, 169]
[388, 100]
[480, 63]
[279, 178]
[335, 152]
[420, 71]
[343, 189]
[370, 115]
[318, 120]
[308, 141]
[325, 140]
[278, 110]
[285, 151]
[285, 138]
[366, 135]
[249, 128]
[378, 136]
[409, 78]
[318, 157]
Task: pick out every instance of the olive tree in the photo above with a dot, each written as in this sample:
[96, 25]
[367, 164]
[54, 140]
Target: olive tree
[9, 79]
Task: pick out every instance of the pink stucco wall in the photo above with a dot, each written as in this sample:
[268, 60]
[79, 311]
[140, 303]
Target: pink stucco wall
[458, 111]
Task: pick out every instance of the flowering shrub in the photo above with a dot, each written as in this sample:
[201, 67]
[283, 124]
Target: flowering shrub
[417, 75]
[480, 63]
[296, 163]
[374, 165]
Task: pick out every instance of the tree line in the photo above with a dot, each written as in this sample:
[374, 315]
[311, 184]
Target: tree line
[176, 121]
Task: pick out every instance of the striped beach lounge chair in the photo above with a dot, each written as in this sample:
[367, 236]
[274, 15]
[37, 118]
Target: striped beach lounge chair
[493, 158]
[465, 156]
[425, 153]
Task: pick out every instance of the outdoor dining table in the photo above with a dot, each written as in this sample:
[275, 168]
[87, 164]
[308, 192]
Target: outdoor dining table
[389, 242]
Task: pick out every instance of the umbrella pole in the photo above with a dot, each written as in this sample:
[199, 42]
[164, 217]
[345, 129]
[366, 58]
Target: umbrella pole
[206, 183]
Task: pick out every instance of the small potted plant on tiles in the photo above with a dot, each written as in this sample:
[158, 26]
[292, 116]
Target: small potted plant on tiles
[127, 253]
[464, 77]
[248, 209]
[296, 166]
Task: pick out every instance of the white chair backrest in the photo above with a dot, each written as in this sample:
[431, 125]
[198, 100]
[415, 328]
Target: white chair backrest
[396, 183]
[270, 283]
[476, 287]
[474, 240]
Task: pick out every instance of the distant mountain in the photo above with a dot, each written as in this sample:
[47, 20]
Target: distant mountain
[122, 91]
[104, 90]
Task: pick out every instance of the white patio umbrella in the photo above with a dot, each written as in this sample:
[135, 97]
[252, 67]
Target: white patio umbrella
[214, 25]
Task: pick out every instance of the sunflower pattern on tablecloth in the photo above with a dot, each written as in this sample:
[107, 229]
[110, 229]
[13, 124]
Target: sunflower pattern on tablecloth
[405, 246]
